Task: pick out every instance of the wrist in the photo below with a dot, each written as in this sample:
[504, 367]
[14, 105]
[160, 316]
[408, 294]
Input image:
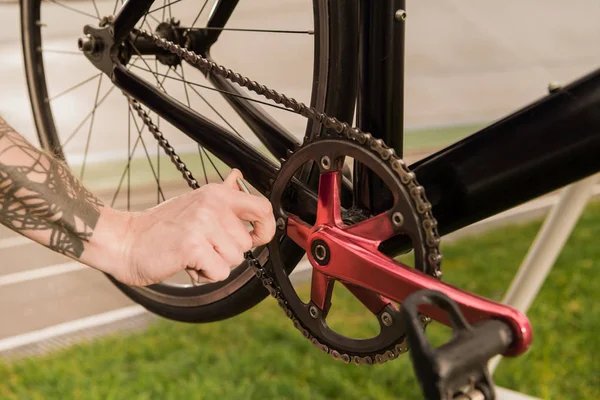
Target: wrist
[108, 247]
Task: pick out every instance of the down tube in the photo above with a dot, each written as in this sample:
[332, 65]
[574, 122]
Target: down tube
[543, 147]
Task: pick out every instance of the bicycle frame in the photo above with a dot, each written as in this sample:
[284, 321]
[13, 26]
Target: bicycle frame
[540, 148]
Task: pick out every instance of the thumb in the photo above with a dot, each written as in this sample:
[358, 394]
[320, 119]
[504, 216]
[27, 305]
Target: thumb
[231, 180]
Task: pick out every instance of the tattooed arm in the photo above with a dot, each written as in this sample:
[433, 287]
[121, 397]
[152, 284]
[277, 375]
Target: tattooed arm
[200, 232]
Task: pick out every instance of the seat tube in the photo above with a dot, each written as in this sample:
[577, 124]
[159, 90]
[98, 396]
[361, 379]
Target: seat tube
[380, 107]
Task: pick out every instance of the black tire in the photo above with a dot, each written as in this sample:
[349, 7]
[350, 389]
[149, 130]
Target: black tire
[335, 66]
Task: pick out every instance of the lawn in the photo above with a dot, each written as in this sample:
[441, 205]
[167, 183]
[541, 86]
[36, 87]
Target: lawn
[259, 355]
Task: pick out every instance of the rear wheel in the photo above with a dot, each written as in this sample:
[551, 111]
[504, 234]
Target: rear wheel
[82, 119]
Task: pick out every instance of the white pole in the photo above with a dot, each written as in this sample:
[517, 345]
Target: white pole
[547, 246]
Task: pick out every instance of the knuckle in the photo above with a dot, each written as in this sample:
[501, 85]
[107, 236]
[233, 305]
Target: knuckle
[266, 207]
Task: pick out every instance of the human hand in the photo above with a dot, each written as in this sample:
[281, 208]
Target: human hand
[201, 232]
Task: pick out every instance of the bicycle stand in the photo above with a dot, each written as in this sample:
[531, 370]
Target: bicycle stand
[542, 255]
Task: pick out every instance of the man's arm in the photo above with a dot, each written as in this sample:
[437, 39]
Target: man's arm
[201, 230]
[41, 199]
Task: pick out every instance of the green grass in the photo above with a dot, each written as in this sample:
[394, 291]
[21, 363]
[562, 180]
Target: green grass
[437, 137]
[259, 355]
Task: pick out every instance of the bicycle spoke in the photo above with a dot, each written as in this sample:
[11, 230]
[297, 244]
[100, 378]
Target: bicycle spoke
[72, 9]
[72, 88]
[223, 91]
[116, 5]
[156, 75]
[76, 53]
[72, 135]
[160, 8]
[199, 13]
[87, 144]
[96, 8]
[187, 97]
[125, 171]
[203, 166]
[140, 130]
[212, 163]
[129, 168]
[87, 117]
[216, 28]
[208, 103]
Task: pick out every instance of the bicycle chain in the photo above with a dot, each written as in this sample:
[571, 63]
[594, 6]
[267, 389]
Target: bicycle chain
[386, 153]
[164, 143]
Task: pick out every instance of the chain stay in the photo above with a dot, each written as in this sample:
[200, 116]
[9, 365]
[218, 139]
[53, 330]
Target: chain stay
[386, 153]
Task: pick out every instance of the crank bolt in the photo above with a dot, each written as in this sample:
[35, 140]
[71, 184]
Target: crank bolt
[386, 319]
[280, 224]
[314, 313]
[397, 219]
[320, 252]
[325, 162]
[400, 15]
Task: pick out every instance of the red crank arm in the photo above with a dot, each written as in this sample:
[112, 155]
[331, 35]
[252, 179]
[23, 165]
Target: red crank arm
[354, 259]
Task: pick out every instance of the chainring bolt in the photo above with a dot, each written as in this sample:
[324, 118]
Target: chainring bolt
[326, 162]
[314, 313]
[397, 219]
[386, 319]
[281, 223]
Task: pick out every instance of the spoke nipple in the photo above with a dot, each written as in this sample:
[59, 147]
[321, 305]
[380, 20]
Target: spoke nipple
[326, 163]
[397, 219]
[314, 313]
[386, 319]
[400, 15]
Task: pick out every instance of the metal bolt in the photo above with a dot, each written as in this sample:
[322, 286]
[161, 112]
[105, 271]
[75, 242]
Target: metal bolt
[554, 87]
[397, 219]
[400, 15]
[325, 162]
[88, 45]
[386, 319]
[320, 252]
[280, 223]
[314, 313]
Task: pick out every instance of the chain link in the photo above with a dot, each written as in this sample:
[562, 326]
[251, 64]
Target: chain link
[408, 178]
[164, 143]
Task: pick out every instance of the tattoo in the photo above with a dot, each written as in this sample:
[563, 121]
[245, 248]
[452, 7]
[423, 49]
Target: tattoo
[39, 193]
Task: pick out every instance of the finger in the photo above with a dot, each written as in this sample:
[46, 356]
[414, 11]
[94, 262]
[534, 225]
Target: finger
[196, 277]
[238, 231]
[231, 180]
[257, 210]
[226, 247]
[263, 231]
[210, 264]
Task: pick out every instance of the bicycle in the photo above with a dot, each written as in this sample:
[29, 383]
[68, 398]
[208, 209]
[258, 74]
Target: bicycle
[342, 197]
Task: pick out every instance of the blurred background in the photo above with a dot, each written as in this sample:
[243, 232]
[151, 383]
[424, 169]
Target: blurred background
[468, 63]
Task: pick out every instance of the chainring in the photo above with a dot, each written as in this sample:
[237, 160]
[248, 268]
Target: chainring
[418, 225]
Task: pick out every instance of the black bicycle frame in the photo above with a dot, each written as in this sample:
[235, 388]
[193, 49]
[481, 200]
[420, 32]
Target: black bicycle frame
[542, 147]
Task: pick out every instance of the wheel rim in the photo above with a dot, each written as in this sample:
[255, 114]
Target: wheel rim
[52, 134]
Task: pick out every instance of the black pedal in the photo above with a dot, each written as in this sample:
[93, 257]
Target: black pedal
[457, 369]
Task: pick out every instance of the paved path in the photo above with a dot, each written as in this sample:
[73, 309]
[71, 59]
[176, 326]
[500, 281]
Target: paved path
[466, 61]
